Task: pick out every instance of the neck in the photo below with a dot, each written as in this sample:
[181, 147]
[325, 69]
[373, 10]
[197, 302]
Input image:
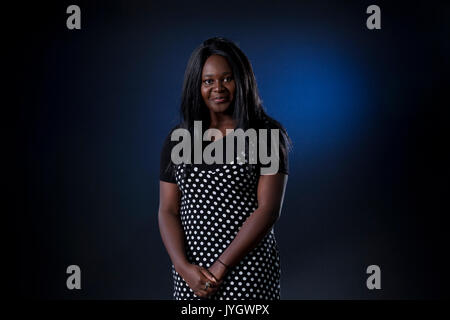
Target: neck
[221, 121]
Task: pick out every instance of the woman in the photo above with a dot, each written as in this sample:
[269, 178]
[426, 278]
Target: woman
[216, 220]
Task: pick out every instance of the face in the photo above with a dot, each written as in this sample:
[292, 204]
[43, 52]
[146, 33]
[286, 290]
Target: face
[218, 86]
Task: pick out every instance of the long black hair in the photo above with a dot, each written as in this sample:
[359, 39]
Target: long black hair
[247, 108]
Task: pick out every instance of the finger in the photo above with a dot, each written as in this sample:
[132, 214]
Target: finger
[212, 291]
[205, 293]
[216, 284]
[201, 285]
[201, 293]
[209, 275]
[213, 288]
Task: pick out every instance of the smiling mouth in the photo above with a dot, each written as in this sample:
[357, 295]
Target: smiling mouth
[220, 99]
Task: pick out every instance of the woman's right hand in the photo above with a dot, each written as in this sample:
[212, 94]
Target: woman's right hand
[196, 278]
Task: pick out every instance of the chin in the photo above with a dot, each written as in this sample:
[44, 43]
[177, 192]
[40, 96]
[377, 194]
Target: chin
[219, 107]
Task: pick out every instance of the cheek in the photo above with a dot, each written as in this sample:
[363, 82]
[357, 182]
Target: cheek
[204, 92]
[232, 89]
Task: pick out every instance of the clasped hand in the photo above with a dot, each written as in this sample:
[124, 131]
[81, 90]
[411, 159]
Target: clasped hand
[196, 277]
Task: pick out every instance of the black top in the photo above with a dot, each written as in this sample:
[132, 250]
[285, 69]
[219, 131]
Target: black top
[168, 169]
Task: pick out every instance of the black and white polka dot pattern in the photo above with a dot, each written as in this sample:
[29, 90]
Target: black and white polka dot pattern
[215, 202]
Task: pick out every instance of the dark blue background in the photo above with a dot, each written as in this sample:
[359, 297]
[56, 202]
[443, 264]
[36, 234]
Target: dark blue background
[365, 110]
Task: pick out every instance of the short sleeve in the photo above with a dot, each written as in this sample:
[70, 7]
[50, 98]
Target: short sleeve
[284, 162]
[283, 159]
[167, 168]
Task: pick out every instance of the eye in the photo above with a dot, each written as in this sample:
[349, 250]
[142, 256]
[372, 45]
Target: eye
[228, 79]
[208, 81]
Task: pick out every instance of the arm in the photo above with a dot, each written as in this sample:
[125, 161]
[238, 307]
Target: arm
[170, 223]
[271, 190]
[172, 235]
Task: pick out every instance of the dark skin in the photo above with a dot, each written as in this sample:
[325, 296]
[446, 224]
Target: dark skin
[217, 81]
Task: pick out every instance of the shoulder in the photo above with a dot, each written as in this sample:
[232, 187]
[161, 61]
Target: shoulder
[167, 170]
[168, 143]
[278, 141]
[167, 139]
[178, 126]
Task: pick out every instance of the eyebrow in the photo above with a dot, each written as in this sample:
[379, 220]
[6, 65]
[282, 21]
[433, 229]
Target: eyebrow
[210, 75]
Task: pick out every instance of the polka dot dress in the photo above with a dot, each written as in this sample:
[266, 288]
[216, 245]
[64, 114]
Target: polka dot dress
[215, 201]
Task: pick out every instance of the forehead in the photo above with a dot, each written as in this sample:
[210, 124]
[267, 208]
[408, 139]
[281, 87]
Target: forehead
[215, 65]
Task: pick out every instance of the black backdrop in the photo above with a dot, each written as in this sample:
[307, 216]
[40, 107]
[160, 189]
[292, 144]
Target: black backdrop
[366, 111]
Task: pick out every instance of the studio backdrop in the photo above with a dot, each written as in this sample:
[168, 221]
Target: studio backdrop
[363, 101]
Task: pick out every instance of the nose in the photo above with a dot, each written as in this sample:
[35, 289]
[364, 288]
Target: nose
[218, 85]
